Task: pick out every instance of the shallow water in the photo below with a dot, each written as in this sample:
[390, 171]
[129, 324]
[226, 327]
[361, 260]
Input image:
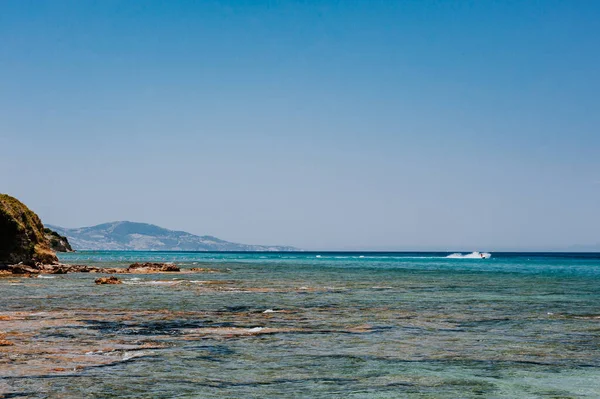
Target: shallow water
[372, 325]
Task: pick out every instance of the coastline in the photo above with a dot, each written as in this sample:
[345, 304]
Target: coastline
[277, 326]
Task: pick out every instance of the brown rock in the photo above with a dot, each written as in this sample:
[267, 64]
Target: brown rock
[23, 269]
[4, 342]
[55, 269]
[152, 267]
[108, 280]
[170, 268]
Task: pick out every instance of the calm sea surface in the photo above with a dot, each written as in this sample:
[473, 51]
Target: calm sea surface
[314, 325]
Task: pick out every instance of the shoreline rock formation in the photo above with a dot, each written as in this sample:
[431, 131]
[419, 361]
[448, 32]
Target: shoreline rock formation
[28, 248]
[57, 242]
[150, 267]
[61, 268]
[22, 237]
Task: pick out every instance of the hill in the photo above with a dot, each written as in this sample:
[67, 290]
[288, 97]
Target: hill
[22, 237]
[131, 236]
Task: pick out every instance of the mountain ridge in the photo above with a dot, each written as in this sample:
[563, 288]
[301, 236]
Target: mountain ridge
[136, 236]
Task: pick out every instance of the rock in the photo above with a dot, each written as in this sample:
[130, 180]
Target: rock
[22, 238]
[23, 269]
[55, 268]
[151, 267]
[27, 270]
[170, 268]
[107, 280]
[57, 242]
[58, 270]
[4, 342]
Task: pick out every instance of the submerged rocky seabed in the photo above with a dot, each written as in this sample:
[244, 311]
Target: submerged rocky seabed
[297, 328]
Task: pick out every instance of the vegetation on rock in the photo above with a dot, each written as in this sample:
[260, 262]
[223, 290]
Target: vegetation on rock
[22, 237]
[57, 242]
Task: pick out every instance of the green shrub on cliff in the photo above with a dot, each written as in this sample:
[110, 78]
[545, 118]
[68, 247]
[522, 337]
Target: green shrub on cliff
[57, 242]
[22, 236]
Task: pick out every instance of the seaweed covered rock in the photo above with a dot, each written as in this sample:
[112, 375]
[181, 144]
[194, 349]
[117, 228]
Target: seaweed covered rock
[57, 242]
[22, 238]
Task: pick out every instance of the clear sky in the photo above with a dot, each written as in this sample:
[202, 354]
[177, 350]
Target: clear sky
[321, 124]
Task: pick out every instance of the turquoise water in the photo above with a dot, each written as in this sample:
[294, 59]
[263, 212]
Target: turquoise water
[288, 325]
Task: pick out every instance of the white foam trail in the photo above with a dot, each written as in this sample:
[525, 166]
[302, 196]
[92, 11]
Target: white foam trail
[42, 276]
[256, 329]
[269, 311]
[472, 255]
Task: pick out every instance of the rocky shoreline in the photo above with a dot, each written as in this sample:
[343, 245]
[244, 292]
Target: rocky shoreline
[62, 268]
[27, 248]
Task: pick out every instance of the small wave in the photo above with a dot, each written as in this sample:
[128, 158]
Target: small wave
[472, 255]
[154, 282]
[42, 276]
[401, 257]
[133, 355]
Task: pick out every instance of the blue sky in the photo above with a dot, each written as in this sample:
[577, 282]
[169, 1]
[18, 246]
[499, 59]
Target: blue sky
[341, 125]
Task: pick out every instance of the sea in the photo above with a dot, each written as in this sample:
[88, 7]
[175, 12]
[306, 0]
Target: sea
[307, 325]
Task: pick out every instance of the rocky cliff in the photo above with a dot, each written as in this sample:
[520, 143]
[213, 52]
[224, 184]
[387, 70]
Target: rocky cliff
[22, 237]
[57, 242]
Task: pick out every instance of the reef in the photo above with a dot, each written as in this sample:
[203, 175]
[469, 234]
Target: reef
[70, 342]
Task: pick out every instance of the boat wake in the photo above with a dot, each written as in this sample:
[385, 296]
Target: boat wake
[472, 255]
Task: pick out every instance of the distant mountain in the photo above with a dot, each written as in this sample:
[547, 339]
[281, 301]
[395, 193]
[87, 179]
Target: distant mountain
[130, 236]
